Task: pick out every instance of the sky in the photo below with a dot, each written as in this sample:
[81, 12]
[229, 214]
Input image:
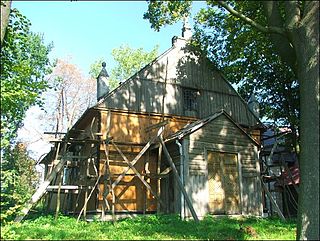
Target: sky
[87, 31]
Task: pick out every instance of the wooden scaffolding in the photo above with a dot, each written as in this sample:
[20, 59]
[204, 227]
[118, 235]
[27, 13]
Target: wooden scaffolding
[93, 148]
[274, 188]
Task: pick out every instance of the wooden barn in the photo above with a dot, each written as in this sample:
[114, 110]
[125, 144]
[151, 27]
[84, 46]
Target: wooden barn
[173, 138]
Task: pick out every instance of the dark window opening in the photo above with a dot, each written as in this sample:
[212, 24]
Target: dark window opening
[190, 99]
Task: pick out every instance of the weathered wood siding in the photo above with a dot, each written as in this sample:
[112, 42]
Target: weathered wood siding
[221, 135]
[168, 75]
[132, 131]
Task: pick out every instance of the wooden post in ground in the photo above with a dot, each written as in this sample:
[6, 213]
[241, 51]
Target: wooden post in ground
[175, 172]
[58, 196]
[86, 199]
[271, 199]
[158, 179]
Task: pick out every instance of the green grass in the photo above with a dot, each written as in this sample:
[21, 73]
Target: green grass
[150, 227]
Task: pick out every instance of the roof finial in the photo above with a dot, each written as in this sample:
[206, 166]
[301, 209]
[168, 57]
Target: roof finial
[102, 82]
[186, 29]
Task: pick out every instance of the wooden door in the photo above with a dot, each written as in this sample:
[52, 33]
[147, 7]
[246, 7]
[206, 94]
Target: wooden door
[223, 178]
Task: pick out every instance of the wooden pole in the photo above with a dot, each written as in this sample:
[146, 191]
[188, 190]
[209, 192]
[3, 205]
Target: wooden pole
[158, 173]
[271, 199]
[58, 196]
[106, 151]
[175, 172]
[86, 199]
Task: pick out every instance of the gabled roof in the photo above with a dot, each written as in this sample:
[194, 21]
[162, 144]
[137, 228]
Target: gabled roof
[132, 77]
[194, 126]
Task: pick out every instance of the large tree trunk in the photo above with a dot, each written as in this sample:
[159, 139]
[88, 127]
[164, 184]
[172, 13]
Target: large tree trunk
[5, 12]
[306, 41]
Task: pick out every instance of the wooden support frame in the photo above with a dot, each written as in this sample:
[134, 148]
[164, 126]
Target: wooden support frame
[271, 199]
[138, 174]
[175, 172]
[134, 161]
[106, 150]
[87, 197]
[41, 190]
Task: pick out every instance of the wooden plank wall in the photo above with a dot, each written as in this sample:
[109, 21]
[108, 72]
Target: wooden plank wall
[173, 71]
[130, 130]
[223, 136]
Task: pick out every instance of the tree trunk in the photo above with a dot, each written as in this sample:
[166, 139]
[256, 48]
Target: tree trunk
[306, 41]
[5, 12]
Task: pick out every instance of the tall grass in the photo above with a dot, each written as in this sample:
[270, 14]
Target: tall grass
[150, 227]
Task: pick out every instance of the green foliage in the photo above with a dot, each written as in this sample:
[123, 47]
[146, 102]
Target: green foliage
[246, 56]
[128, 62]
[161, 13]
[19, 179]
[150, 227]
[24, 65]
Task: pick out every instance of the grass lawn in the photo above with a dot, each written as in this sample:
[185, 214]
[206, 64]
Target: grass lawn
[150, 227]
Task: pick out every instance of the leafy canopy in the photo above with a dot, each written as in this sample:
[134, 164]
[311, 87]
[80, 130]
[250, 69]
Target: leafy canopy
[244, 54]
[19, 179]
[24, 65]
[128, 62]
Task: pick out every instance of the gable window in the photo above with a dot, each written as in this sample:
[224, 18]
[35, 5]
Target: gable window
[190, 99]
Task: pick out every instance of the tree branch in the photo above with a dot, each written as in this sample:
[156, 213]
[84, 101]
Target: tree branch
[282, 43]
[311, 9]
[251, 22]
[292, 14]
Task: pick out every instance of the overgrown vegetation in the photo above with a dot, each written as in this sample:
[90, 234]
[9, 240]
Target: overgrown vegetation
[24, 67]
[19, 179]
[150, 227]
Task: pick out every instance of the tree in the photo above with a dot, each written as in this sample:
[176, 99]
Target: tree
[71, 95]
[5, 12]
[246, 57]
[293, 29]
[19, 179]
[24, 65]
[128, 62]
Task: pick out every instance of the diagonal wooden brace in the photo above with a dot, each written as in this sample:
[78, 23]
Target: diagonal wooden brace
[175, 172]
[137, 173]
[134, 161]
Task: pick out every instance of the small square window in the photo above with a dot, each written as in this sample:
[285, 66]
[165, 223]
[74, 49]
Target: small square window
[190, 99]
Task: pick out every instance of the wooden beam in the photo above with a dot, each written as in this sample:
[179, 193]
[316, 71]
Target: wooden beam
[138, 174]
[67, 187]
[106, 151]
[41, 190]
[160, 124]
[134, 161]
[158, 173]
[166, 171]
[175, 172]
[271, 199]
